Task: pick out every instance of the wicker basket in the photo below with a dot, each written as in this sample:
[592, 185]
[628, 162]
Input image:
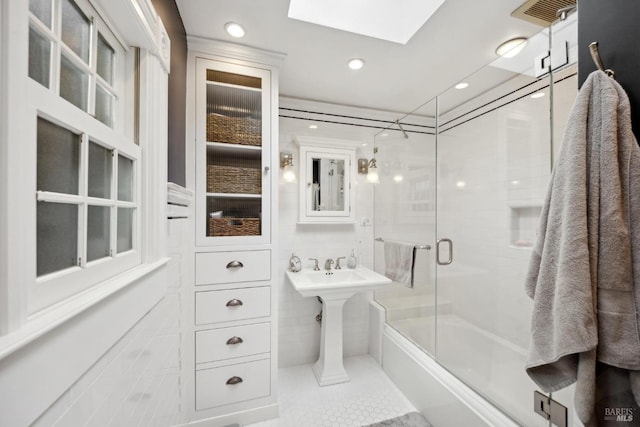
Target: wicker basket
[229, 179]
[234, 226]
[234, 130]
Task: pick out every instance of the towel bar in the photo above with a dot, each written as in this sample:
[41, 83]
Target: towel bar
[427, 247]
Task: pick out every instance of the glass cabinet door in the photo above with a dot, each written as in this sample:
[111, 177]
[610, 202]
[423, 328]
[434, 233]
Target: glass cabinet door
[234, 152]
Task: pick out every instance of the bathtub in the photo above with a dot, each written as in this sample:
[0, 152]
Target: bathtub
[446, 396]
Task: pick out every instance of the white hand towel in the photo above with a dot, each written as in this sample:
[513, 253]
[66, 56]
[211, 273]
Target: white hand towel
[399, 258]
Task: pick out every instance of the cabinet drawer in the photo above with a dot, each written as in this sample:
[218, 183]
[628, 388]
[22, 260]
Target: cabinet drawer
[238, 341]
[231, 267]
[215, 387]
[232, 304]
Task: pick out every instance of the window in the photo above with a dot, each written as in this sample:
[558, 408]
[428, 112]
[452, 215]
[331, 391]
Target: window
[73, 53]
[87, 187]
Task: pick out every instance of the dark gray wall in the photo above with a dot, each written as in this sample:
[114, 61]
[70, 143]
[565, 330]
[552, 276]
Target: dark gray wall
[615, 25]
[172, 21]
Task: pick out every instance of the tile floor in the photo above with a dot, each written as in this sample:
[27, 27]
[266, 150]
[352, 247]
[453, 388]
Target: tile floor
[369, 397]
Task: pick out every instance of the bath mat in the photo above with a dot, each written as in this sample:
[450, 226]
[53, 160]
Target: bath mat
[412, 419]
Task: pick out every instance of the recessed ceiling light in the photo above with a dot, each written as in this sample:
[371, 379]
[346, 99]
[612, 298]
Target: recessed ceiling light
[234, 29]
[512, 47]
[537, 95]
[462, 85]
[313, 126]
[384, 134]
[356, 63]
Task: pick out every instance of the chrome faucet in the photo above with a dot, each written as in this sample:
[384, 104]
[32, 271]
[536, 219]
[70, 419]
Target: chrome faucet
[315, 267]
[327, 264]
[338, 266]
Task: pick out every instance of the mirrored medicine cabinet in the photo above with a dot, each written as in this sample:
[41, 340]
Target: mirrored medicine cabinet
[327, 168]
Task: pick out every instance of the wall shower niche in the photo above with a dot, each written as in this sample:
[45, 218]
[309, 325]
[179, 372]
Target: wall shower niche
[524, 225]
[326, 194]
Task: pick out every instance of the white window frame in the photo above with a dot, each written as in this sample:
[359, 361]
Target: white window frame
[47, 104]
[28, 310]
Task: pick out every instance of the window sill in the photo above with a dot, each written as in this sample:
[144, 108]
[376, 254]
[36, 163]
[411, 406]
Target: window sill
[48, 319]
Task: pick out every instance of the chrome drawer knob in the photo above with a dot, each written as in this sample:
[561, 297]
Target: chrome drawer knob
[234, 340]
[234, 303]
[234, 380]
[235, 264]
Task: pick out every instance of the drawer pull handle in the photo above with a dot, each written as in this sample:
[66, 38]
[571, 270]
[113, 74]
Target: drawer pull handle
[235, 264]
[234, 303]
[234, 340]
[234, 380]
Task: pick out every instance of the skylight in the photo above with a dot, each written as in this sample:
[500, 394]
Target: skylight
[382, 19]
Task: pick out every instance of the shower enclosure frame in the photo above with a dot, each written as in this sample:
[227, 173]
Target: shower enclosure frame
[450, 371]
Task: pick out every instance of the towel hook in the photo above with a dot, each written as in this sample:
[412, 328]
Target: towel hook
[595, 55]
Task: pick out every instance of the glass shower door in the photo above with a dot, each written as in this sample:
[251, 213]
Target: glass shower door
[405, 203]
[494, 164]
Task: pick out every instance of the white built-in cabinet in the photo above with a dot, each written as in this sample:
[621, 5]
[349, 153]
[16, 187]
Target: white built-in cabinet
[230, 343]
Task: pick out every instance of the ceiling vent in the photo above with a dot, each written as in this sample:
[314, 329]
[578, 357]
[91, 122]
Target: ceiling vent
[541, 12]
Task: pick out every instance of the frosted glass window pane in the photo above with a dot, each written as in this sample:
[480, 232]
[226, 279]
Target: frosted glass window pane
[58, 159]
[42, 10]
[104, 106]
[74, 84]
[39, 57]
[125, 229]
[98, 221]
[105, 60]
[57, 237]
[125, 179]
[100, 160]
[75, 29]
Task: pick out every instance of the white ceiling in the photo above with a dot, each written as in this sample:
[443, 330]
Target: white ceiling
[460, 38]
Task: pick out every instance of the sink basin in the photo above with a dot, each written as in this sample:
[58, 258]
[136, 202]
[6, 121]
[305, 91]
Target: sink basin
[336, 283]
[334, 287]
[335, 277]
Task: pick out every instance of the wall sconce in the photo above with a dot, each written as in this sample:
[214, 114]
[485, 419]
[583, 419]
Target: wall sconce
[363, 166]
[372, 175]
[369, 168]
[286, 163]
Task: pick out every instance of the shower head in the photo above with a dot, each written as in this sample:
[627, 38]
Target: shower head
[406, 136]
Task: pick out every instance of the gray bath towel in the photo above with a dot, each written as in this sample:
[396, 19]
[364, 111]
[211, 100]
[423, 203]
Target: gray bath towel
[399, 261]
[587, 256]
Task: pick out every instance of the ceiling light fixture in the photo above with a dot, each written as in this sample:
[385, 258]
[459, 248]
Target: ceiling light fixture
[356, 63]
[512, 47]
[462, 85]
[537, 95]
[313, 126]
[234, 29]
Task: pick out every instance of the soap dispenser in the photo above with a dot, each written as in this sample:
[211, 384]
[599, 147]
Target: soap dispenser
[352, 261]
[294, 264]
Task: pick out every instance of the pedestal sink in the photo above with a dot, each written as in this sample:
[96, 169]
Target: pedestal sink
[334, 288]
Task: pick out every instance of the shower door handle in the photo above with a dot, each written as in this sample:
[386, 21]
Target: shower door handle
[450, 260]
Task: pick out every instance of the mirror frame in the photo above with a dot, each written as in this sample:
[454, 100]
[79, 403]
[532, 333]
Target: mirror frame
[323, 148]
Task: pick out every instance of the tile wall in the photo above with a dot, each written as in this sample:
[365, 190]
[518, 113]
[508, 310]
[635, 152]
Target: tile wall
[299, 333]
[137, 381]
